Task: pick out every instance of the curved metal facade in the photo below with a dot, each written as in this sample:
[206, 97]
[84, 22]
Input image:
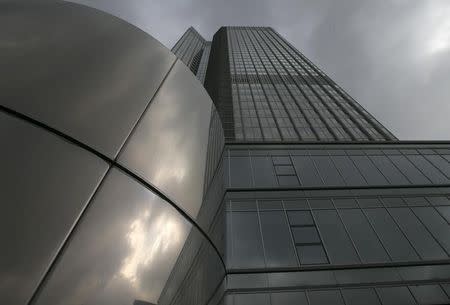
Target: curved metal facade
[105, 147]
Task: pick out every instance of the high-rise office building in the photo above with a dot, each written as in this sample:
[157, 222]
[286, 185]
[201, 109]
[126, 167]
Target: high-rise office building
[266, 90]
[323, 204]
[120, 186]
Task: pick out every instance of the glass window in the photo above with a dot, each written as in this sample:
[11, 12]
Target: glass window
[335, 239]
[348, 171]
[345, 203]
[429, 170]
[391, 236]
[429, 294]
[281, 160]
[389, 170]
[421, 239]
[393, 202]
[240, 172]
[440, 163]
[311, 254]
[369, 202]
[277, 240]
[296, 204]
[302, 218]
[269, 204]
[369, 247]
[360, 296]
[252, 299]
[395, 296]
[306, 170]
[247, 250]
[435, 224]
[287, 181]
[416, 201]
[263, 169]
[322, 297]
[321, 204]
[409, 170]
[369, 171]
[284, 170]
[445, 212]
[305, 235]
[438, 200]
[243, 205]
[328, 171]
[289, 298]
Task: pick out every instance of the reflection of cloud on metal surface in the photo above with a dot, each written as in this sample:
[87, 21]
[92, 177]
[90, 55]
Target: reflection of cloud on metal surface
[150, 237]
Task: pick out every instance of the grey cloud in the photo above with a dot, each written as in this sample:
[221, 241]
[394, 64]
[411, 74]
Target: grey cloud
[392, 56]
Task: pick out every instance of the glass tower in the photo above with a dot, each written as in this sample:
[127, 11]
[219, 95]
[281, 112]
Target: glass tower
[266, 90]
[322, 204]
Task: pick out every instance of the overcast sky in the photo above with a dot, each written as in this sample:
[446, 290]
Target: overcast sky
[392, 56]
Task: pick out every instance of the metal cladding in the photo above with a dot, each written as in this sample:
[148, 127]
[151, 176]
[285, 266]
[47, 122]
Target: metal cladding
[105, 144]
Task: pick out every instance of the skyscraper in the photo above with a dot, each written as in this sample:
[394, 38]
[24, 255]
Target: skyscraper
[323, 204]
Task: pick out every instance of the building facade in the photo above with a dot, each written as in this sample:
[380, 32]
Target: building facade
[323, 204]
[125, 181]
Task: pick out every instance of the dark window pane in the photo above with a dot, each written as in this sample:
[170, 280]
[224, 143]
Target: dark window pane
[361, 296]
[345, 203]
[442, 164]
[289, 298]
[247, 205]
[348, 171]
[369, 202]
[335, 239]
[366, 241]
[287, 181]
[252, 299]
[429, 294]
[393, 202]
[306, 171]
[246, 242]
[445, 212]
[409, 170]
[422, 241]
[277, 240]
[416, 201]
[263, 169]
[296, 204]
[312, 254]
[281, 160]
[321, 204]
[436, 224]
[389, 170]
[392, 238]
[446, 288]
[305, 235]
[269, 205]
[396, 296]
[428, 169]
[438, 200]
[369, 171]
[240, 172]
[325, 297]
[300, 218]
[328, 171]
[284, 170]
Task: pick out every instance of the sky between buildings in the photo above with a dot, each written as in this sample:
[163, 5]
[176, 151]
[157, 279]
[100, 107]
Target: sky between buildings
[392, 56]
